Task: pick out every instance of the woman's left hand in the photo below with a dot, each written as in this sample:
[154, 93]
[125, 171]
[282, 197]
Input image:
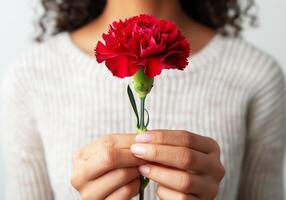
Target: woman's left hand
[185, 165]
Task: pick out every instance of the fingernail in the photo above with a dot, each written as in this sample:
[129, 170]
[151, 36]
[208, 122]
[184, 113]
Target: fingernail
[138, 149]
[146, 137]
[144, 169]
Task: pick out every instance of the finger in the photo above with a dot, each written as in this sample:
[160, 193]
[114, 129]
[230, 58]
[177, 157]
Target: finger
[126, 192]
[169, 194]
[103, 161]
[179, 157]
[102, 187]
[123, 141]
[179, 138]
[180, 181]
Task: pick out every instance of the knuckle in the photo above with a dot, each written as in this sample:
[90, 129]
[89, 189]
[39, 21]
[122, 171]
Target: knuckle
[87, 195]
[215, 144]
[159, 191]
[221, 171]
[160, 137]
[218, 149]
[75, 181]
[108, 141]
[214, 190]
[84, 153]
[76, 177]
[182, 196]
[213, 141]
[84, 195]
[80, 154]
[127, 190]
[186, 158]
[187, 138]
[154, 153]
[123, 173]
[185, 182]
[108, 157]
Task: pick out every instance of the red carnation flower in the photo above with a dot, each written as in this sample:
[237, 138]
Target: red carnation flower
[143, 41]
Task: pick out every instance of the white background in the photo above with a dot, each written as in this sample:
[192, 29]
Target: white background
[16, 33]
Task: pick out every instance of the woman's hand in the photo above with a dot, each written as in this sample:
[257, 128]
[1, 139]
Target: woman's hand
[185, 165]
[106, 169]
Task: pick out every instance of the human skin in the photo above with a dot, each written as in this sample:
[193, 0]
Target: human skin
[109, 168]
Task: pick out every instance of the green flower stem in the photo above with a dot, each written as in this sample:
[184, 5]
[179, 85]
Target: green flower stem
[142, 85]
[143, 181]
[141, 193]
[142, 112]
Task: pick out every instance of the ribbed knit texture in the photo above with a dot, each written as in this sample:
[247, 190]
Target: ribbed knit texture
[57, 99]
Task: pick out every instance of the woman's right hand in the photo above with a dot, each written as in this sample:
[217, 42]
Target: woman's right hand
[106, 169]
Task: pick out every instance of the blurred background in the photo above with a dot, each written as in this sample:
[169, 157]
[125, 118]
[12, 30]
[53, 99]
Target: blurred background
[17, 19]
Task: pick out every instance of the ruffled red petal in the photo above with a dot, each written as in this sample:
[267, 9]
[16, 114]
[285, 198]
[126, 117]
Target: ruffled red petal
[153, 67]
[122, 66]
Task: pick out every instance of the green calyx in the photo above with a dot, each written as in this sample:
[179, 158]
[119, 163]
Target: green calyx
[141, 131]
[142, 83]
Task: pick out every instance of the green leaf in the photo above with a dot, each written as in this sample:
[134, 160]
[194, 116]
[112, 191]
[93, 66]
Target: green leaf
[147, 123]
[133, 103]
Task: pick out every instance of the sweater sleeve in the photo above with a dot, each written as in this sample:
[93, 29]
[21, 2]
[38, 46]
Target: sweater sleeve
[24, 159]
[262, 170]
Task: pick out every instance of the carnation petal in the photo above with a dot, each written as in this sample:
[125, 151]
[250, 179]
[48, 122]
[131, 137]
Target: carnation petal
[153, 67]
[175, 61]
[102, 52]
[152, 50]
[122, 66]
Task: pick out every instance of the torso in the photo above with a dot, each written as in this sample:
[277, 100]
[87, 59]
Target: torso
[78, 101]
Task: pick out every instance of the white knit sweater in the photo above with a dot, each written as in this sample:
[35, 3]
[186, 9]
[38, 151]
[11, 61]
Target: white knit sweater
[57, 100]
